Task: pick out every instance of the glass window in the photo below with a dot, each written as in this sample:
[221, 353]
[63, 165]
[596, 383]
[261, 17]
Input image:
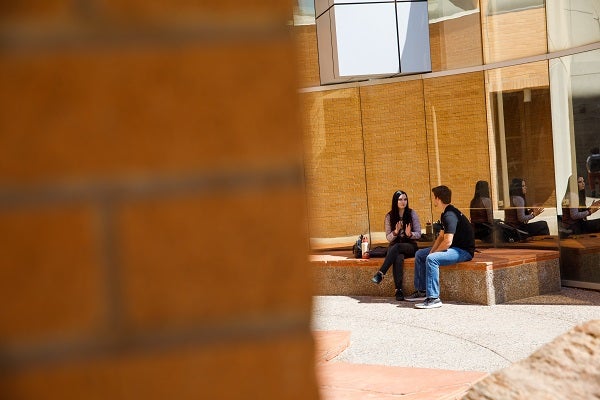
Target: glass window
[575, 83]
[513, 29]
[572, 23]
[521, 125]
[504, 6]
[304, 12]
[454, 34]
[447, 9]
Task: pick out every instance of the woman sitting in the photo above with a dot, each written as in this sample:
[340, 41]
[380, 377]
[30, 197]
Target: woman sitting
[402, 230]
[575, 218]
[518, 216]
[481, 212]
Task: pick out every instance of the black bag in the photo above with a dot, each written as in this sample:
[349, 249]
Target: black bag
[357, 249]
[509, 233]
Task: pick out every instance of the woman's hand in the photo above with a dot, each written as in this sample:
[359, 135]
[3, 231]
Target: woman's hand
[538, 211]
[398, 228]
[408, 230]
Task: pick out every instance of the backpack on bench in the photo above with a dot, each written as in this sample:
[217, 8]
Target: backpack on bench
[508, 233]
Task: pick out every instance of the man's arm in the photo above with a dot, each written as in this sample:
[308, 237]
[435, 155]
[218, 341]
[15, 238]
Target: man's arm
[437, 241]
[443, 242]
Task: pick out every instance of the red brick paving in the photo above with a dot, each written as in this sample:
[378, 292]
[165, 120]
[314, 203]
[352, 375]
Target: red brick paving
[346, 381]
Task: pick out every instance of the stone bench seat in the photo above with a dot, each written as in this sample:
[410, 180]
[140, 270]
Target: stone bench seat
[493, 276]
[580, 259]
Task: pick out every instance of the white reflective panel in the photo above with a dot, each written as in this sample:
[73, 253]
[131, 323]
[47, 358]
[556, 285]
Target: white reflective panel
[366, 39]
[413, 32]
[361, 40]
[572, 23]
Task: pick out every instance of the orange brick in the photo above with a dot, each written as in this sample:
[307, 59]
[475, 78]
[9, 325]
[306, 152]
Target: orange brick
[393, 122]
[308, 57]
[81, 114]
[264, 368]
[457, 133]
[50, 276]
[456, 42]
[188, 260]
[13, 11]
[335, 172]
[514, 35]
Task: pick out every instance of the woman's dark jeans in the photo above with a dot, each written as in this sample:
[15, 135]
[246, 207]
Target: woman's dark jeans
[395, 256]
[536, 228]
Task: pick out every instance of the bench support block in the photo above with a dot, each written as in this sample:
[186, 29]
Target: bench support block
[488, 279]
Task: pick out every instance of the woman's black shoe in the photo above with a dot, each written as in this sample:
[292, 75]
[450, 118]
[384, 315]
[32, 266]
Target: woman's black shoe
[378, 277]
[399, 295]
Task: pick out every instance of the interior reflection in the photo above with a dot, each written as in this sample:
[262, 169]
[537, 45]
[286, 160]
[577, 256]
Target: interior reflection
[524, 200]
[579, 167]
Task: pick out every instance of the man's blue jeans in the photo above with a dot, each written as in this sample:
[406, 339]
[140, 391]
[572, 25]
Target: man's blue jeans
[427, 267]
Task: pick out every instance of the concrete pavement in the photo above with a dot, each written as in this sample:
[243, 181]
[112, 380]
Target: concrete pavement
[435, 353]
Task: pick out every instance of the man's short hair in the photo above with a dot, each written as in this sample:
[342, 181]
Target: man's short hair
[443, 193]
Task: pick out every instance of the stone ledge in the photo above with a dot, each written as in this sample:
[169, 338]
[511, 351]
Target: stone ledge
[580, 258]
[494, 276]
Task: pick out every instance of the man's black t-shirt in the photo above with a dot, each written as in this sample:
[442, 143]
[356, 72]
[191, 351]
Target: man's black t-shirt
[453, 221]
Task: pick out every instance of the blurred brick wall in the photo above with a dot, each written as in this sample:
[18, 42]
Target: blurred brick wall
[150, 189]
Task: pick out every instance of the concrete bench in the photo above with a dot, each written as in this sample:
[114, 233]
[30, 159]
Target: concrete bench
[580, 258]
[493, 276]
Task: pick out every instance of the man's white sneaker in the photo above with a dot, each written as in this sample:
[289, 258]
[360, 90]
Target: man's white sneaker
[430, 303]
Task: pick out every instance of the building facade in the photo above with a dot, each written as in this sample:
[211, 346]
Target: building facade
[514, 92]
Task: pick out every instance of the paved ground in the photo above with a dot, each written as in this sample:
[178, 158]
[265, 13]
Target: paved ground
[437, 342]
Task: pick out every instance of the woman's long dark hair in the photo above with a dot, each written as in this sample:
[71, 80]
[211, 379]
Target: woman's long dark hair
[482, 189]
[516, 189]
[582, 199]
[395, 211]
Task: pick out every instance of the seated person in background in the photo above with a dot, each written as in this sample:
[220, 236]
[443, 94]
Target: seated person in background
[402, 230]
[575, 218]
[592, 163]
[518, 216]
[481, 212]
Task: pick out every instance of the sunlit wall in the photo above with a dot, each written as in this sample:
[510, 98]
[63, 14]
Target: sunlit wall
[513, 93]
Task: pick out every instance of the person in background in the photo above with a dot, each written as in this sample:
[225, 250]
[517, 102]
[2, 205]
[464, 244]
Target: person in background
[402, 230]
[518, 216]
[592, 164]
[575, 218]
[481, 212]
[455, 243]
